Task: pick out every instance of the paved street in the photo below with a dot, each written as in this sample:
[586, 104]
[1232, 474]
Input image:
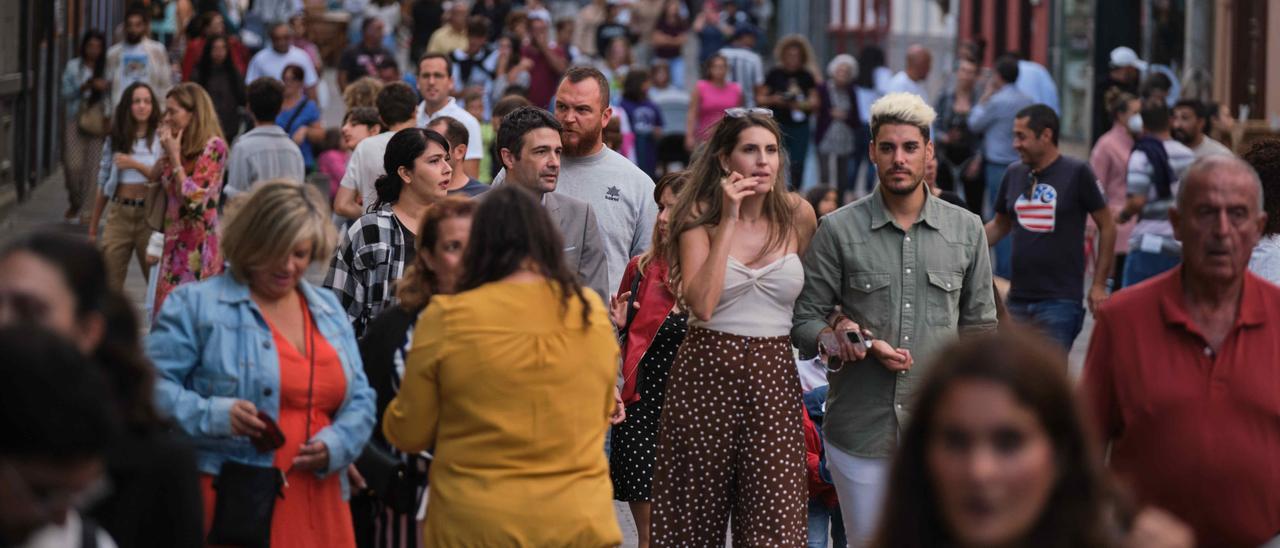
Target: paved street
[48, 200]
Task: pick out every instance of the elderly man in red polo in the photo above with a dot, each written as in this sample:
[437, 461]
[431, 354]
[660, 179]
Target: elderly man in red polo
[1183, 372]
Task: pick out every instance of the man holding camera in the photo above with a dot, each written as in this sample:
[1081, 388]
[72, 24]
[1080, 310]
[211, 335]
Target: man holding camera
[908, 272]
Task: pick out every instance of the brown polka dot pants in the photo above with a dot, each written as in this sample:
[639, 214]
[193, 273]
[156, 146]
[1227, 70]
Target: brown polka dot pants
[731, 444]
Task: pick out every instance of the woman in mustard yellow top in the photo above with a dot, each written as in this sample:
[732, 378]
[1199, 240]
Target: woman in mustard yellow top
[510, 383]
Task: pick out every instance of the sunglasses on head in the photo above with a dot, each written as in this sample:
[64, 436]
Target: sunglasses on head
[742, 112]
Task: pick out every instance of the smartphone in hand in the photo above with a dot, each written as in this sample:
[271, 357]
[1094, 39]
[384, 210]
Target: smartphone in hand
[272, 438]
[856, 337]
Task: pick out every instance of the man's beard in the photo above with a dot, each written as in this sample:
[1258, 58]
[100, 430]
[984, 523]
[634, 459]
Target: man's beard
[132, 38]
[585, 143]
[903, 191]
[1181, 136]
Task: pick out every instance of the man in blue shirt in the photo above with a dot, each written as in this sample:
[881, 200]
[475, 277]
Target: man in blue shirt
[993, 118]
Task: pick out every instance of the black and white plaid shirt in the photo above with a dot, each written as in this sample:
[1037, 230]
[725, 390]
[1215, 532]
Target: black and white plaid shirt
[366, 265]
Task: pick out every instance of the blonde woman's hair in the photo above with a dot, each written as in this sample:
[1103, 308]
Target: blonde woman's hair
[362, 93]
[700, 201]
[810, 61]
[271, 220]
[901, 108]
[204, 119]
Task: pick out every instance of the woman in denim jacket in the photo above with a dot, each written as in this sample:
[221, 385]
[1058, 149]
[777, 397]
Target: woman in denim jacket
[258, 344]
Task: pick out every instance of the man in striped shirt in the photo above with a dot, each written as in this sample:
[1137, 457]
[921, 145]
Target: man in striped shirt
[745, 66]
[1044, 199]
[1156, 167]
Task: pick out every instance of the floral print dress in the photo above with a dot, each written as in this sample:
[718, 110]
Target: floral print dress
[191, 221]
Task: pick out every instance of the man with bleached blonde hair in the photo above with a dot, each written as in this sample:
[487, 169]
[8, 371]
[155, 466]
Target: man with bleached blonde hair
[909, 272]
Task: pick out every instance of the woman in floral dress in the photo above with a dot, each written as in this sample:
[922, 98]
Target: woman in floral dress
[191, 171]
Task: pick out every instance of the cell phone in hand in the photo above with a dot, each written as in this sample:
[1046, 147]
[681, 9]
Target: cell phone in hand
[856, 337]
[271, 438]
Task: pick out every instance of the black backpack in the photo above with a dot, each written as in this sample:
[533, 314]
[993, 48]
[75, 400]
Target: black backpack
[466, 64]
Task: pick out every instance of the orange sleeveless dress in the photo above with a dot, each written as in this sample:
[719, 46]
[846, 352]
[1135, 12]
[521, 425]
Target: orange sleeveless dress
[312, 512]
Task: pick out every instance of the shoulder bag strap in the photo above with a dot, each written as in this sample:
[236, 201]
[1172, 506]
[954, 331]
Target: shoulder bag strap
[288, 127]
[631, 301]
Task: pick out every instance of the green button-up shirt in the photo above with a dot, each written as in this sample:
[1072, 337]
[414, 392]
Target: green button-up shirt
[915, 288]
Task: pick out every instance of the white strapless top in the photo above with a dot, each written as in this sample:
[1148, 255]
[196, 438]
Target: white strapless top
[757, 302]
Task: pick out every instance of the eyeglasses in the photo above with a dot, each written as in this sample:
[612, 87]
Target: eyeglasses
[1032, 181]
[741, 112]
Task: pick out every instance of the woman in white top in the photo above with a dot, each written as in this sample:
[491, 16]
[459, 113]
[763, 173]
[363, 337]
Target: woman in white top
[124, 171]
[732, 441]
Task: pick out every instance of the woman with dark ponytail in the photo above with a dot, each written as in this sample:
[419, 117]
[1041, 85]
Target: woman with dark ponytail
[378, 245]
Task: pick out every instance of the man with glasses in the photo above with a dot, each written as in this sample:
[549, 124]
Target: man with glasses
[270, 62]
[909, 273]
[1044, 200]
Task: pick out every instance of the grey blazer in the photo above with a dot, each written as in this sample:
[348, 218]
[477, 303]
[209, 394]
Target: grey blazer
[583, 248]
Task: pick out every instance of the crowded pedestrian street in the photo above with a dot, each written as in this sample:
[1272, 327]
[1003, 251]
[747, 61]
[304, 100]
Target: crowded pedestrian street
[639, 273]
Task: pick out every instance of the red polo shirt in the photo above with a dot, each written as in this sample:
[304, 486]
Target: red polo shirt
[1193, 431]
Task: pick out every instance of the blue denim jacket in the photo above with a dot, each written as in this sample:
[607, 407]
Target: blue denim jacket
[211, 347]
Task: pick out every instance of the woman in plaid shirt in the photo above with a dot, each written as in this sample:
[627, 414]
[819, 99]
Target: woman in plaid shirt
[376, 247]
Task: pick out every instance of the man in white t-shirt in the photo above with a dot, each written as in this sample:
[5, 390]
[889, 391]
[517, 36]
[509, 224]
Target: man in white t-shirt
[912, 79]
[435, 82]
[1190, 125]
[356, 191]
[138, 59]
[270, 62]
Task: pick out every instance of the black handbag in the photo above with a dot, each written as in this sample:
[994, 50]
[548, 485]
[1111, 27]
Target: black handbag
[386, 476]
[246, 494]
[246, 500]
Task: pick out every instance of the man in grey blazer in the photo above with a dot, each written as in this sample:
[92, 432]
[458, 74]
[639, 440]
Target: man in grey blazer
[530, 147]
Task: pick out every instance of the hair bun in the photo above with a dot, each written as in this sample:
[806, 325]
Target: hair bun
[388, 188]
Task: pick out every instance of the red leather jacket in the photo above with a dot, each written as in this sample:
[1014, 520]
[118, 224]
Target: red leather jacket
[655, 302]
[818, 488]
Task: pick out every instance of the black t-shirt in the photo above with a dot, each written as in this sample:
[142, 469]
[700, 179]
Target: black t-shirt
[358, 62]
[1048, 227]
[472, 189]
[795, 86]
[409, 245]
[606, 33]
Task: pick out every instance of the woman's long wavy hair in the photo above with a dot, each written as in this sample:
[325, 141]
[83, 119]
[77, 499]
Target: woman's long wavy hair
[124, 129]
[809, 61]
[419, 283]
[204, 69]
[701, 200]
[1076, 513]
[509, 228]
[204, 119]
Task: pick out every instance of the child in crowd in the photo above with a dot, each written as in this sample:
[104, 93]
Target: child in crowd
[645, 117]
[824, 506]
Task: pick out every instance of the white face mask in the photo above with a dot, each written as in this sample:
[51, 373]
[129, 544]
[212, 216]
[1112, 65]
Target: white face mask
[1135, 124]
